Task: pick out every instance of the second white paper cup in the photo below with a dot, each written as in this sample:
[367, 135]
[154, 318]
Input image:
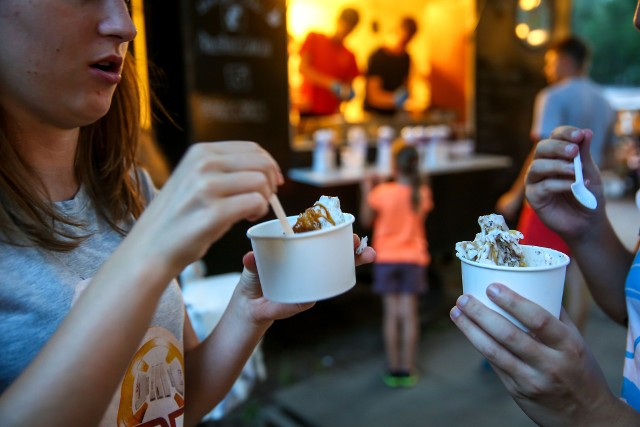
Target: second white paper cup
[541, 283]
[304, 267]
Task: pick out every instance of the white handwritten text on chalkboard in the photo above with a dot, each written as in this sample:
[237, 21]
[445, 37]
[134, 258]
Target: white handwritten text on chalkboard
[250, 47]
[233, 110]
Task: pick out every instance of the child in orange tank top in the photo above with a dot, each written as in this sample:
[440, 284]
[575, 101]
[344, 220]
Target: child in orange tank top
[398, 210]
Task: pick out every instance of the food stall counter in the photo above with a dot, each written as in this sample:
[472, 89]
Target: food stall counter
[343, 176]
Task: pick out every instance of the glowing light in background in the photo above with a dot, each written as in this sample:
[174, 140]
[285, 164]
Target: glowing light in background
[537, 37]
[533, 22]
[528, 5]
[522, 31]
[305, 16]
[140, 49]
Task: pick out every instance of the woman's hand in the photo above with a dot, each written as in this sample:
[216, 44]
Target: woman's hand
[548, 183]
[214, 186]
[549, 371]
[265, 310]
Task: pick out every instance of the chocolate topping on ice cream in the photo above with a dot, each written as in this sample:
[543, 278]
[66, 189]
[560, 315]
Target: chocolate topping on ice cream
[324, 213]
[310, 219]
[495, 244]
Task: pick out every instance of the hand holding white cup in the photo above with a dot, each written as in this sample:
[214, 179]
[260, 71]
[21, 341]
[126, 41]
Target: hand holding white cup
[534, 272]
[305, 266]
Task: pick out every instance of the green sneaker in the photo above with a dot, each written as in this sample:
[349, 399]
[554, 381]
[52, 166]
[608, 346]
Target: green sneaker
[409, 379]
[390, 380]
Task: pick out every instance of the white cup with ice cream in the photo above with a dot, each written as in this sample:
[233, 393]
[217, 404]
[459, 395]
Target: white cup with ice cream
[495, 256]
[307, 266]
[541, 281]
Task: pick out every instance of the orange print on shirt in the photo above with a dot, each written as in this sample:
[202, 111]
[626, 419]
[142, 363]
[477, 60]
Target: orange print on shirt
[152, 392]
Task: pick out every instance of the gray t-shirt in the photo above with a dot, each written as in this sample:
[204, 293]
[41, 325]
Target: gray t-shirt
[576, 102]
[37, 290]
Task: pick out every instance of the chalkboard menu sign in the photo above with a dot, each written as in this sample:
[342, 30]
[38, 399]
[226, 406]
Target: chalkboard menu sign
[237, 80]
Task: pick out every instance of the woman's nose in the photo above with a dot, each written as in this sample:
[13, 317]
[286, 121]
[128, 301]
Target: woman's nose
[117, 21]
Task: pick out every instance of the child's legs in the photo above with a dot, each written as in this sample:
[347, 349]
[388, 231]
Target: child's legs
[410, 330]
[400, 284]
[390, 330]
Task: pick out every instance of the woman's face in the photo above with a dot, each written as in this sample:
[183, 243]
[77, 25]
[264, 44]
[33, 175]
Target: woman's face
[60, 60]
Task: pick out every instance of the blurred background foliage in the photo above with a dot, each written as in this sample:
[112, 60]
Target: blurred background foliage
[606, 25]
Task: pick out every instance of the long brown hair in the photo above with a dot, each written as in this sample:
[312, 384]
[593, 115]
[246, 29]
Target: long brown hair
[104, 165]
[408, 164]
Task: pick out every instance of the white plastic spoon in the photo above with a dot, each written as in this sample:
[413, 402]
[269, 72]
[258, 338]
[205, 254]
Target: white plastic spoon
[277, 208]
[580, 191]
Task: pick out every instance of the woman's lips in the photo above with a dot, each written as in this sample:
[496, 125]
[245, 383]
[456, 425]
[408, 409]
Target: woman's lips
[109, 76]
[108, 69]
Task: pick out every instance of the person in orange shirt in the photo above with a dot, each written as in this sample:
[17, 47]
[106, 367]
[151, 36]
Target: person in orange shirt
[328, 68]
[398, 210]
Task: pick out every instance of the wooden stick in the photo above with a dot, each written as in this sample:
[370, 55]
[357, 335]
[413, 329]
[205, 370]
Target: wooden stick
[277, 208]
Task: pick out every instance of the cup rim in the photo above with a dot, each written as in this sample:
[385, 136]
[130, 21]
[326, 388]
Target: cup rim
[349, 219]
[565, 261]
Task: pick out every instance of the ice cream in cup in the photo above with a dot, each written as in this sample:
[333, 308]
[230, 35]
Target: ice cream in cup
[495, 256]
[315, 263]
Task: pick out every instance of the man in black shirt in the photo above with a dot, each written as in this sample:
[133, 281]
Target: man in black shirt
[388, 73]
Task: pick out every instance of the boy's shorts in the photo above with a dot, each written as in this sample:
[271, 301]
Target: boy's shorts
[399, 278]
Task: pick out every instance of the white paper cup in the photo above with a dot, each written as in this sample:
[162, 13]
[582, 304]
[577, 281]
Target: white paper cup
[540, 282]
[304, 267]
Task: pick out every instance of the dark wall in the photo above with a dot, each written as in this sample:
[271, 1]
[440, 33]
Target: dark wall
[165, 50]
[508, 76]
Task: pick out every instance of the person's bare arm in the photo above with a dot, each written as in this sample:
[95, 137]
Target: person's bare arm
[605, 269]
[312, 74]
[213, 366]
[377, 96]
[73, 378]
[510, 202]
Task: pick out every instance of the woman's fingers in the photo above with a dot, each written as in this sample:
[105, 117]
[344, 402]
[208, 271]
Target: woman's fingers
[249, 262]
[541, 324]
[545, 168]
[568, 133]
[232, 156]
[555, 149]
[551, 173]
[223, 171]
[483, 341]
[502, 330]
[229, 184]
[545, 331]
[257, 162]
[368, 255]
[214, 186]
[250, 206]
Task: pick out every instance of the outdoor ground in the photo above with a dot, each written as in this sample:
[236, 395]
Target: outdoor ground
[336, 334]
